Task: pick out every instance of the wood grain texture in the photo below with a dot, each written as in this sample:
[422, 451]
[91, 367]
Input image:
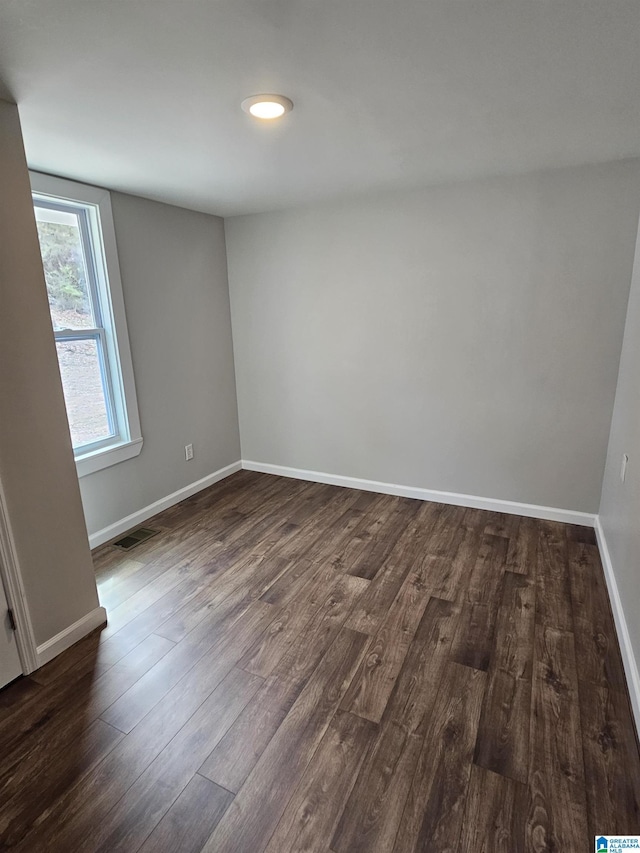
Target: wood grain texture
[71, 767]
[190, 820]
[503, 733]
[312, 812]
[609, 751]
[455, 564]
[595, 638]
[523, 547]
[237, 754]
[410, 549]
[553, 595]
[370, 689]
[435, 806]
[373, 812]
[136, 703]
[515, 628]
[485, 580]
[133, 818]
[260, 803]
[557, 814]
[41, 760]
[495, 814]
[322, 588]
[473, 642]
[299, 667]
[67, 821]
[364, 554]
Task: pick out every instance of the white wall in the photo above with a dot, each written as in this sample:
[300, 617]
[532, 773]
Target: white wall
[37, 470]
[620, 507]
[174, 278]
[463, 338]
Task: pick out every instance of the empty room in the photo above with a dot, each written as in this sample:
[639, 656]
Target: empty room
[319, 426]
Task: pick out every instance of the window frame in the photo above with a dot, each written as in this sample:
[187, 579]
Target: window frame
[105, 285]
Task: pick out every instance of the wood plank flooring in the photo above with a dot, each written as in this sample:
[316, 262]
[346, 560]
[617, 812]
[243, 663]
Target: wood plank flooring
[296, 667]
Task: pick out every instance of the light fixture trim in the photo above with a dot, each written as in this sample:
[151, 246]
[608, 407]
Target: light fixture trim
[267, 107]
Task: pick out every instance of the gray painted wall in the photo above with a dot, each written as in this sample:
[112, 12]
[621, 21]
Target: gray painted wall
[37, 470]
[620, 507]
[174, 278]
[463, 338]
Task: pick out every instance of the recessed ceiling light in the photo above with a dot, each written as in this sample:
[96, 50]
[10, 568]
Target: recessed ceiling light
[267, 106]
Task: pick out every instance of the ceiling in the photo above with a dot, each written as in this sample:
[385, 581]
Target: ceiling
[144, 95]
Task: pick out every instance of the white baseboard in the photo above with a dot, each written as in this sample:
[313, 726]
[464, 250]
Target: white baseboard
[53, 647]
[120, 527]
[511, 507]
[628, 657]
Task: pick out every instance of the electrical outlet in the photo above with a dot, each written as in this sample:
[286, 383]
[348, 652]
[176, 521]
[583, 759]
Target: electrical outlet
[188, 451]
[623, 467]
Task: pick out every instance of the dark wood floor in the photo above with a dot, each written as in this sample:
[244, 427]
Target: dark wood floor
[298, 667]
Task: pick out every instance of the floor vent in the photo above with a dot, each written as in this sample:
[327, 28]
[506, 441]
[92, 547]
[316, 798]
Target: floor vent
[140, 534]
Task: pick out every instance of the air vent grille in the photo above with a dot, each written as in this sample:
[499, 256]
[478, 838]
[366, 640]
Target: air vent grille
[140, 534]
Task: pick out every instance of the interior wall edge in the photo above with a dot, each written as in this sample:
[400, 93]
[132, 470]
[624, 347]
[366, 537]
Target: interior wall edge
[11, 574]
[622, 630]
[548, 513]
[119, 527]
[68, 636]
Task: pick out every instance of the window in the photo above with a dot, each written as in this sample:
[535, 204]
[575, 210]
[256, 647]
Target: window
[77, 243]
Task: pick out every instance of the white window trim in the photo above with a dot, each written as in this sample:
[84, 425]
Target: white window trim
[121, 367]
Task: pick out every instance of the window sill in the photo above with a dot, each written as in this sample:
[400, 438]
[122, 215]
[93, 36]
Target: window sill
[89, 463]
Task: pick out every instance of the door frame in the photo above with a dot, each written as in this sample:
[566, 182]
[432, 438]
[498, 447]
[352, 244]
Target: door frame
[14, 588]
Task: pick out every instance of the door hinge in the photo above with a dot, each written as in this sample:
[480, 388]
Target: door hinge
[12, 620]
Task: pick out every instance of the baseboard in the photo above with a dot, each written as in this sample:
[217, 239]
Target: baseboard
[568, 516]
[53, 647]
[628, 657]
[119, 527]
